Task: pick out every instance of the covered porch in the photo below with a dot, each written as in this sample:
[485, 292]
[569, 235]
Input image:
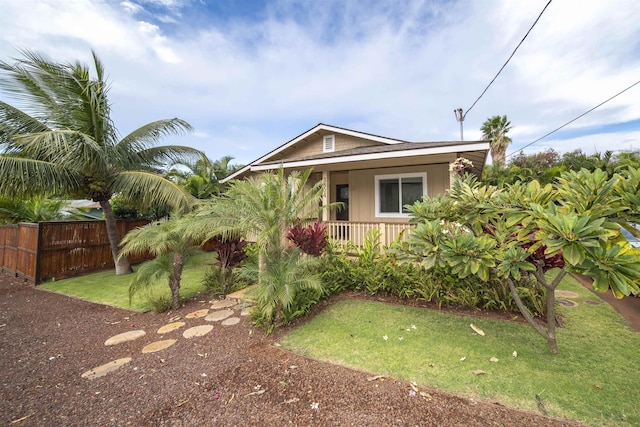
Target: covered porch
[356, 232]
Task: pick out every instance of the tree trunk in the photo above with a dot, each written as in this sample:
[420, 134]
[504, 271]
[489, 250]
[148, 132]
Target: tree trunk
[523, 309]
[551, 305]
[122, 264]
[174, 280]
[551, 321]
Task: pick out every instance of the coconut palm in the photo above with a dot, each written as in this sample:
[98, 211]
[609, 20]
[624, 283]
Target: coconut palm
[171, 248]
[495, 129]
[62, 141]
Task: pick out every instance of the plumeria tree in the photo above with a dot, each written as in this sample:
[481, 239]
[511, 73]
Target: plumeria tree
[541, 232]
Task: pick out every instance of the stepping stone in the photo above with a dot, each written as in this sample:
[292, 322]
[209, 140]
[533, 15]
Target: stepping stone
[157, 346]
[223, 303]
[196, 314]
[566, 302]
[566, 294]
[171, 327]
[216, 316]
[103, 370]
[246, 311]
[197, 331]
[231, 321]
[124, 337]
[592, 302]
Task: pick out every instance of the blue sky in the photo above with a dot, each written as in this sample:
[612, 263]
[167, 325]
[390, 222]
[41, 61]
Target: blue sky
[250, 75]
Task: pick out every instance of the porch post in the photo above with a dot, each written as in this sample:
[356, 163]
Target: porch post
[326, 192]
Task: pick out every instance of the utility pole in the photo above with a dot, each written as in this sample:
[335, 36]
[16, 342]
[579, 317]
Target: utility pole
[460, 118]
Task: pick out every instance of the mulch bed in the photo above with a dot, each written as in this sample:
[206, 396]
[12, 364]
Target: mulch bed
[49, 340]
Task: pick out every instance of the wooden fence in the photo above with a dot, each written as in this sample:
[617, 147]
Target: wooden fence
[46, 250]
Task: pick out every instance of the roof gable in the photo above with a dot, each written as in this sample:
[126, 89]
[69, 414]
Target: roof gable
[290, 146]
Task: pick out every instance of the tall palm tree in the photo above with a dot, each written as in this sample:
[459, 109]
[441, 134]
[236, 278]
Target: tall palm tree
[64, 142]
[495, 129]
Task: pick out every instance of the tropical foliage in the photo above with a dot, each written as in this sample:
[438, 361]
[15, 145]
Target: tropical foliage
[202, 177]
[265, 208]
[59, 139]
[230, 253]
[164, 240]
[30, 209]
[534, 232]
[546, 166]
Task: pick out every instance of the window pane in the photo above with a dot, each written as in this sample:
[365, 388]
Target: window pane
[411, 191]
[389, 196]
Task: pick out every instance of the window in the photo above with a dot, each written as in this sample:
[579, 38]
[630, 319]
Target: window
[329, 144]
[393, 192]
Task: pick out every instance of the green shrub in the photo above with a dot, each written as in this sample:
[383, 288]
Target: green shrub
[222, 281]
[159, 299]
[376, 272]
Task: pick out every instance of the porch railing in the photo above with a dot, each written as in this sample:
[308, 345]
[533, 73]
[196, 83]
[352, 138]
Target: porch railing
[356, 232]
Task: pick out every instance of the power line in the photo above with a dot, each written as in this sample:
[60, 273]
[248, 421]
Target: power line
[573, 120]
[509, 59]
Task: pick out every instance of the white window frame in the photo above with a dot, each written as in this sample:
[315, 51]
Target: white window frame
[328, 143]
[398, 176]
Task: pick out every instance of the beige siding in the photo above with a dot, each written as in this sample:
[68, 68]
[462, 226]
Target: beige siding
[362, 191]
[313, 145]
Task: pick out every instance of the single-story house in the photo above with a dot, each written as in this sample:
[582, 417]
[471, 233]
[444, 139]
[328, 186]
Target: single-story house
[373, 176]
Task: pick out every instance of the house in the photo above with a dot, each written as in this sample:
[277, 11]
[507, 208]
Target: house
[373, 176]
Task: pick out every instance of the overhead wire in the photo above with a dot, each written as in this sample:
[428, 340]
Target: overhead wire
[574, 119]
[509, 59]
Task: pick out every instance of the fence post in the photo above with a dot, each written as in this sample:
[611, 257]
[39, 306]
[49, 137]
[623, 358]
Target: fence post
[383, 235]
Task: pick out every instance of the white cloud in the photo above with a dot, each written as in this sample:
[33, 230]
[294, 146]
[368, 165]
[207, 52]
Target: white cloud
[131, 8]
[389, 68]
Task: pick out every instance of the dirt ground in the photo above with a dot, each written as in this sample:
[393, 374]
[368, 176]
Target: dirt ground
[234, 375]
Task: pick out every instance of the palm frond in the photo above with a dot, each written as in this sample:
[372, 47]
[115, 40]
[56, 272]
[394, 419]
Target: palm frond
[149, 134]
[168, 154]
[77, 150]
[28, 176]
[151, 189]
[150, 273]
[16, 122]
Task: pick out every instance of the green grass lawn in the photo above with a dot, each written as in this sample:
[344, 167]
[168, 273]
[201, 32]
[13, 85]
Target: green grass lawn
[595, 378]
[107, 288]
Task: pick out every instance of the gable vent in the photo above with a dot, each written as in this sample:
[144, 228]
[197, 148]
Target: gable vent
[329, 144]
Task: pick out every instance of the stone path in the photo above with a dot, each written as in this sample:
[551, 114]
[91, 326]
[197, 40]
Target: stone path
[224, 310]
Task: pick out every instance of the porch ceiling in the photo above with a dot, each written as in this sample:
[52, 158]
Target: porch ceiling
[478, 158]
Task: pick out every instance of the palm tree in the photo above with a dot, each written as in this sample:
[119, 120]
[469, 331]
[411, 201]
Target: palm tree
[202, 177]
[63, 142]
[169, 245]
[265, 208]
[495, 129]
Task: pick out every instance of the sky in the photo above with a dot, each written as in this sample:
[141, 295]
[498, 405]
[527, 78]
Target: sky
[251, 75]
